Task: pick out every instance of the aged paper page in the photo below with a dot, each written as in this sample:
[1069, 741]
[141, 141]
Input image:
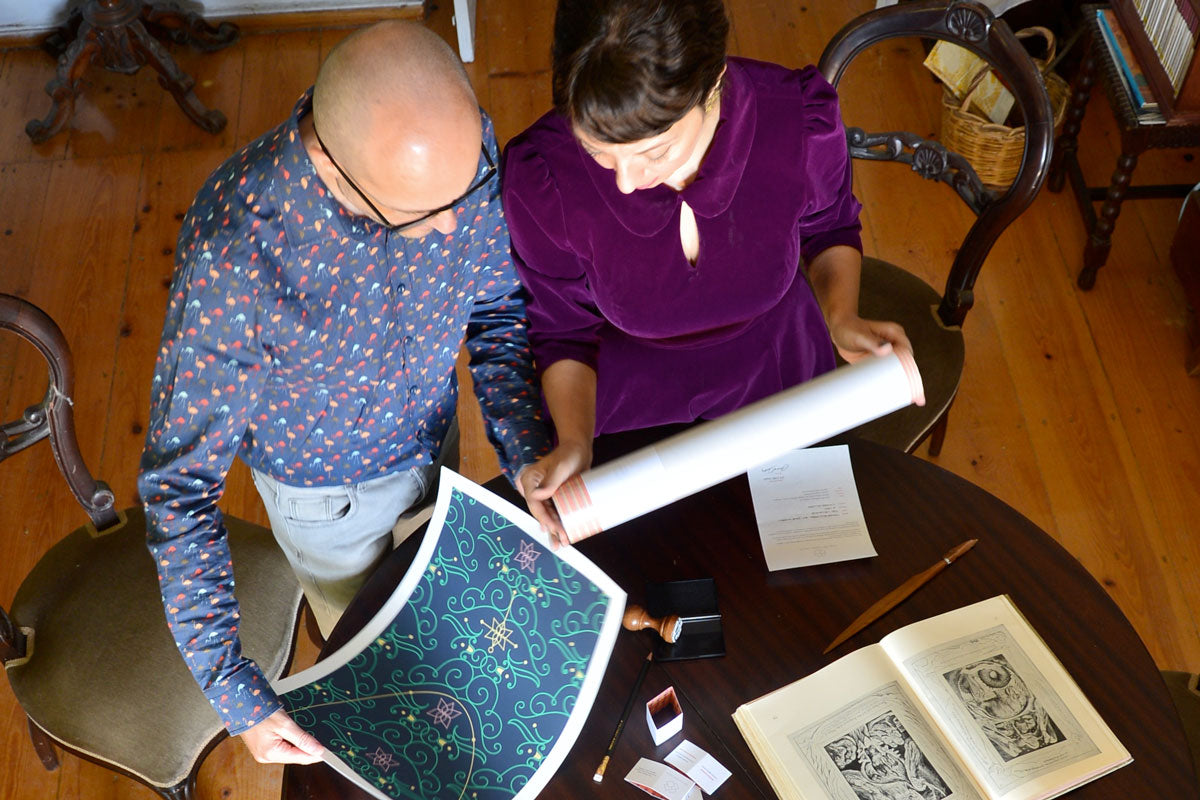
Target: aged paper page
[807, 508]
[1019, 721]
[848, 731]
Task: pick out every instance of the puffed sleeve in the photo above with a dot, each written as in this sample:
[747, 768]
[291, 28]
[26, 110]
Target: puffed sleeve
[563, 320]
[830, 215]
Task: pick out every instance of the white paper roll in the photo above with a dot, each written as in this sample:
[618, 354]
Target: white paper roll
[707, 454]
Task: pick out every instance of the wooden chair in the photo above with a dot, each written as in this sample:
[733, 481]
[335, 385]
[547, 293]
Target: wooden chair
[86, 645]
[933, 321]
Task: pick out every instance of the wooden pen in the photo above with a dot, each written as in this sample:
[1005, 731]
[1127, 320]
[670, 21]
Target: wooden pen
[899, 594]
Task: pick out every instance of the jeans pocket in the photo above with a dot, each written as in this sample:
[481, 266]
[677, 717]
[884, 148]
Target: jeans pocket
[320, 508]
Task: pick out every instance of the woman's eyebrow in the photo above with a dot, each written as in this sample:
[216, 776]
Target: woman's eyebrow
[654, 146]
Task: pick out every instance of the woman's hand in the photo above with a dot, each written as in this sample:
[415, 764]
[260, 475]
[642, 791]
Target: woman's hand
[538, 482]
[856, 338]
[835, 276]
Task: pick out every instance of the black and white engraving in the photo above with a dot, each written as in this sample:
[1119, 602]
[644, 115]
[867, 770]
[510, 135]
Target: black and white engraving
[1003, 706]
[880, 761]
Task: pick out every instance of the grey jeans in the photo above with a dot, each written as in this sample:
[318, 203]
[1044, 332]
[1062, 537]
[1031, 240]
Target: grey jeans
[335, 536]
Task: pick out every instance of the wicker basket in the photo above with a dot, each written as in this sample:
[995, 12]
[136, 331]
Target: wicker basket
[995, 150]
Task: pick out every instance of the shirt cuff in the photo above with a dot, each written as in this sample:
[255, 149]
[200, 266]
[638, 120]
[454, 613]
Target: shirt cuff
[813, 246]
[243, 699]
[524, 441]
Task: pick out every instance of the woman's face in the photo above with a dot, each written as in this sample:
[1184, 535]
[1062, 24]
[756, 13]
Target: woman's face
[671, 157]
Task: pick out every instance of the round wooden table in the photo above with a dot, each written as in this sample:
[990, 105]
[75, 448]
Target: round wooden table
[777, 624]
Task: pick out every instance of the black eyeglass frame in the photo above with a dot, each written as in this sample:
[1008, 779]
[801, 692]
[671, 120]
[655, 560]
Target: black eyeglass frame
[488, 174]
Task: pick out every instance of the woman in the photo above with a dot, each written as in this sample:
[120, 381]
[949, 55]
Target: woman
[661, 217]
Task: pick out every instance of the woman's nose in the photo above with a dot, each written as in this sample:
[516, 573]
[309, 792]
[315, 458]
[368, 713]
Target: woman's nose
[629, 177]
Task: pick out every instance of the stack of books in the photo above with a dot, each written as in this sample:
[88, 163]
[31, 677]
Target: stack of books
[1173, 28]
[1133, 78]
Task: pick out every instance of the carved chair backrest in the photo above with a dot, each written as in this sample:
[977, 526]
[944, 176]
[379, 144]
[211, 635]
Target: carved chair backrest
[973, 27]
[53, 417]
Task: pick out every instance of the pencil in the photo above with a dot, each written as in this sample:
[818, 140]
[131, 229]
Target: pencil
[612, 743]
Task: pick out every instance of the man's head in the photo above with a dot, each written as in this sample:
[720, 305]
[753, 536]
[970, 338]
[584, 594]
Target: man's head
[399, 126]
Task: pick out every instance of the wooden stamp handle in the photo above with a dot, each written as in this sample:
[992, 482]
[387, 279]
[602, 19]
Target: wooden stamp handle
[637, 619]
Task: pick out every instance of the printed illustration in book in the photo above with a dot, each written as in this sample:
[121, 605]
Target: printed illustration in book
[475, 678]
[967, 705]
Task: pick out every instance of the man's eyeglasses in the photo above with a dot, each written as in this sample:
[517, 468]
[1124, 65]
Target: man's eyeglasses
[487, 176]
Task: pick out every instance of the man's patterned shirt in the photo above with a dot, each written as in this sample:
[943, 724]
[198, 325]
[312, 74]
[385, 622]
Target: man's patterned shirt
[320, 348]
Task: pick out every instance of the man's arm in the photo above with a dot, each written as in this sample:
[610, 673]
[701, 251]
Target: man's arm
[501, 362]
[207, 379]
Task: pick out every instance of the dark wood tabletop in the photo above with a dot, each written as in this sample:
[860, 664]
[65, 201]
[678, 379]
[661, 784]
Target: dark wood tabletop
[777, 623]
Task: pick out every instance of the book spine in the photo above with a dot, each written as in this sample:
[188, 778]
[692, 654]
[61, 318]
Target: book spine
[1135, 21]
[1190, 15]
[1114, 50]
[1172, 27]
[1191, 19]
[1123, 55]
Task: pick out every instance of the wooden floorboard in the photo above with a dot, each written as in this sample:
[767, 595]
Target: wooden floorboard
[1074, 407]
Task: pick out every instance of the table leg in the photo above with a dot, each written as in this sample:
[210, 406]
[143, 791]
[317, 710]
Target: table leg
[1067, 146]
[63, 87]
[175, 80]
[1095, 253]
[188, 27]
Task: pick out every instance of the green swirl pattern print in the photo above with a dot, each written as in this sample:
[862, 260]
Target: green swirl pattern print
[470, 686]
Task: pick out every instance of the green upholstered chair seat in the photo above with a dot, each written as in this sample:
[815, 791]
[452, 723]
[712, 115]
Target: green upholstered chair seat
[101, 640]
[1185, 692]
[888, 292]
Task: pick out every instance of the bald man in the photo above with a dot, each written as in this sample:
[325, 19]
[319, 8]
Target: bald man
[327, 276]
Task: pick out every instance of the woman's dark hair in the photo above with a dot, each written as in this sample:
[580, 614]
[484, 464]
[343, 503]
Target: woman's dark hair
[629, 69]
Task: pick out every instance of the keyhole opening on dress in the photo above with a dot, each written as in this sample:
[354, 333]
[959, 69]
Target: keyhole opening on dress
[689, 234]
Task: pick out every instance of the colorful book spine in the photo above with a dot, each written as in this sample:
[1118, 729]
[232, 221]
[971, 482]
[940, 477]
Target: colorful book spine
[1173, 28]
[1135, 79]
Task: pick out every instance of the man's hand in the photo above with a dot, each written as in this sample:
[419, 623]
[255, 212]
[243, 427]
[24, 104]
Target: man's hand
[856, 338]
[279, 740]
[538, 482]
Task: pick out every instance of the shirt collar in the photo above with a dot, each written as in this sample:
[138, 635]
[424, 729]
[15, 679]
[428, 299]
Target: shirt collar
[308, 210]
[647, 211]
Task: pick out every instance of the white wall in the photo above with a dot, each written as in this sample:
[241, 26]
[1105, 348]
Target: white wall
[19, 17]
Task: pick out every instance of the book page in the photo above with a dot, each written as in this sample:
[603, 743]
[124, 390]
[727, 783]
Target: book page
[1018, 720]
[807, 508]
[850, 731]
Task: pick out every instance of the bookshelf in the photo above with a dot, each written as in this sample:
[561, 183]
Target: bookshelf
[1181, 130]
[1172, 60]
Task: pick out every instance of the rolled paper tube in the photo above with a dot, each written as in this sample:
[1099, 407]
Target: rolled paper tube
[707, 454]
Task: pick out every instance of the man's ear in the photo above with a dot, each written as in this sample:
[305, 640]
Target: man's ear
[316, 154]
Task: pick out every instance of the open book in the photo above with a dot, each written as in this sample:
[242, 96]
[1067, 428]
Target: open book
[966, 705]
[476, 676]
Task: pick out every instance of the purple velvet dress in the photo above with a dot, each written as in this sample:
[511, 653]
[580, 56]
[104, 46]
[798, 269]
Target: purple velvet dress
[609, 284]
